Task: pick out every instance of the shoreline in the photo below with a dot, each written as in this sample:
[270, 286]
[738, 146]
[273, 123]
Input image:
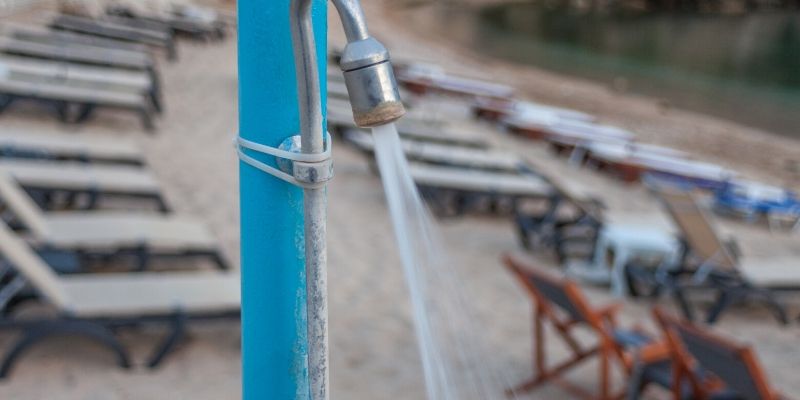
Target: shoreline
[757, 153]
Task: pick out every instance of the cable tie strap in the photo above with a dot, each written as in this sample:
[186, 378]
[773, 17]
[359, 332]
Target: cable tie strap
[309, 171]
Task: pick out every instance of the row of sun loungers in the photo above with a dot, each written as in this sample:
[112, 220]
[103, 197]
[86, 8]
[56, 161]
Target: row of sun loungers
[78, 64]
[52, 248]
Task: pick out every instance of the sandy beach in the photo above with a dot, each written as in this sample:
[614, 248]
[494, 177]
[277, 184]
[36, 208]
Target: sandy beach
[373, 349]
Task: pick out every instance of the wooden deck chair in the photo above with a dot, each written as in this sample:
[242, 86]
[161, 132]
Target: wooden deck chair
[560, 303]
[51, 145]
[452, 191]
[111, 30]
[74, 101]
[85, 76]
[63, 184]
[109, 233]
[710, 264]
[438, 154]
[714, 367]
[96, 306]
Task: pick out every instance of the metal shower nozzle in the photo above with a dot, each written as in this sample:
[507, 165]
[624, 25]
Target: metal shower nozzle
[370, 81]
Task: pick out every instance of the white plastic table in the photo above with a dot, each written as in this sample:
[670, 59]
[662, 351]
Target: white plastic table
[627, 243]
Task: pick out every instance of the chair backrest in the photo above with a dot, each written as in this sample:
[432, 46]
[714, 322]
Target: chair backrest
[734, 364]
[695, 226]
[551, 293]
[21, 205]
[23, 259]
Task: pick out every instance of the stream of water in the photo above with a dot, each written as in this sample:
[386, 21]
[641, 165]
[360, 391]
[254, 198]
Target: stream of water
[454, 359]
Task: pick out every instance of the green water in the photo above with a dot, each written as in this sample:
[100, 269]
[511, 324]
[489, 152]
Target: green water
[744, 68]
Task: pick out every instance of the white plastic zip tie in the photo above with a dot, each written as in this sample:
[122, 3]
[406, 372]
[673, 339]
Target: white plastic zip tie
[315, 158]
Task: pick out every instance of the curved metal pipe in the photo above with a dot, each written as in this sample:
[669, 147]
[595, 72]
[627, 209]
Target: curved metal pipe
[375, 101]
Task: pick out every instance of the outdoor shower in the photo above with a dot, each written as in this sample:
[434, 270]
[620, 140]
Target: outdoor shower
[375, 101]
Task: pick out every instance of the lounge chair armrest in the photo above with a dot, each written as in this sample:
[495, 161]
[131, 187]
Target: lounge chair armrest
[654, 352]
[609, 312]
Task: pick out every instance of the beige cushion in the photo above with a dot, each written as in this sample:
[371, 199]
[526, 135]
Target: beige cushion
[480, 181]
[81, 176]
[109, 229]
[136, 294]
[773, 272]
[71, 145]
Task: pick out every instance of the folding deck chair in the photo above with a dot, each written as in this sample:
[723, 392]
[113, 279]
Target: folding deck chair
[111, 30]
[84, 76]
[714, 367]
[560, 303]
[63, 184]
[108, 234]
[50, 145]
[97, 306]
[708, 263]
[453, 191]
[73, 100]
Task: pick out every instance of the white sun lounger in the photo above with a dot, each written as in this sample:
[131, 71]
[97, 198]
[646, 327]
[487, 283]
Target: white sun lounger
[433, 153]
[110, 232]
[79, 53]
[109, 29]
[82, 178]
[96, 305]
[479, 182]
[61, 38]
[69, 146]
[495, 110]
[424, 78]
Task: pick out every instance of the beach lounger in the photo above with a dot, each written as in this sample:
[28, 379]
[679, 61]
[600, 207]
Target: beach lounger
[111, 30]
[709, 263]
[562, 305]
[446, 155]
[110, 233]
[80, 54]
[73, 102]
[454, 191]
[632, 161]
[422, 79]
[714, 367]
[97, 306]
[194, 22]
[89, 77]
[61, 38]
[752, 201]
[564, 135]
[48, 181]
[496, 110]
[69, 147]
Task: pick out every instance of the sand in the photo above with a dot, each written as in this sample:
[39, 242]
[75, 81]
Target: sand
[373, 350]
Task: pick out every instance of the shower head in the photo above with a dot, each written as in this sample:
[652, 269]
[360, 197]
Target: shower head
[370, 81]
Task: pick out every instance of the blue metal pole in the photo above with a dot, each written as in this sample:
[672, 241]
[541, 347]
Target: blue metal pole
[274, 343]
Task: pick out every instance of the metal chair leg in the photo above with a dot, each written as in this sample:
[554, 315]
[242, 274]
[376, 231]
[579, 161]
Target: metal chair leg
[43, 331]
[170, 342]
